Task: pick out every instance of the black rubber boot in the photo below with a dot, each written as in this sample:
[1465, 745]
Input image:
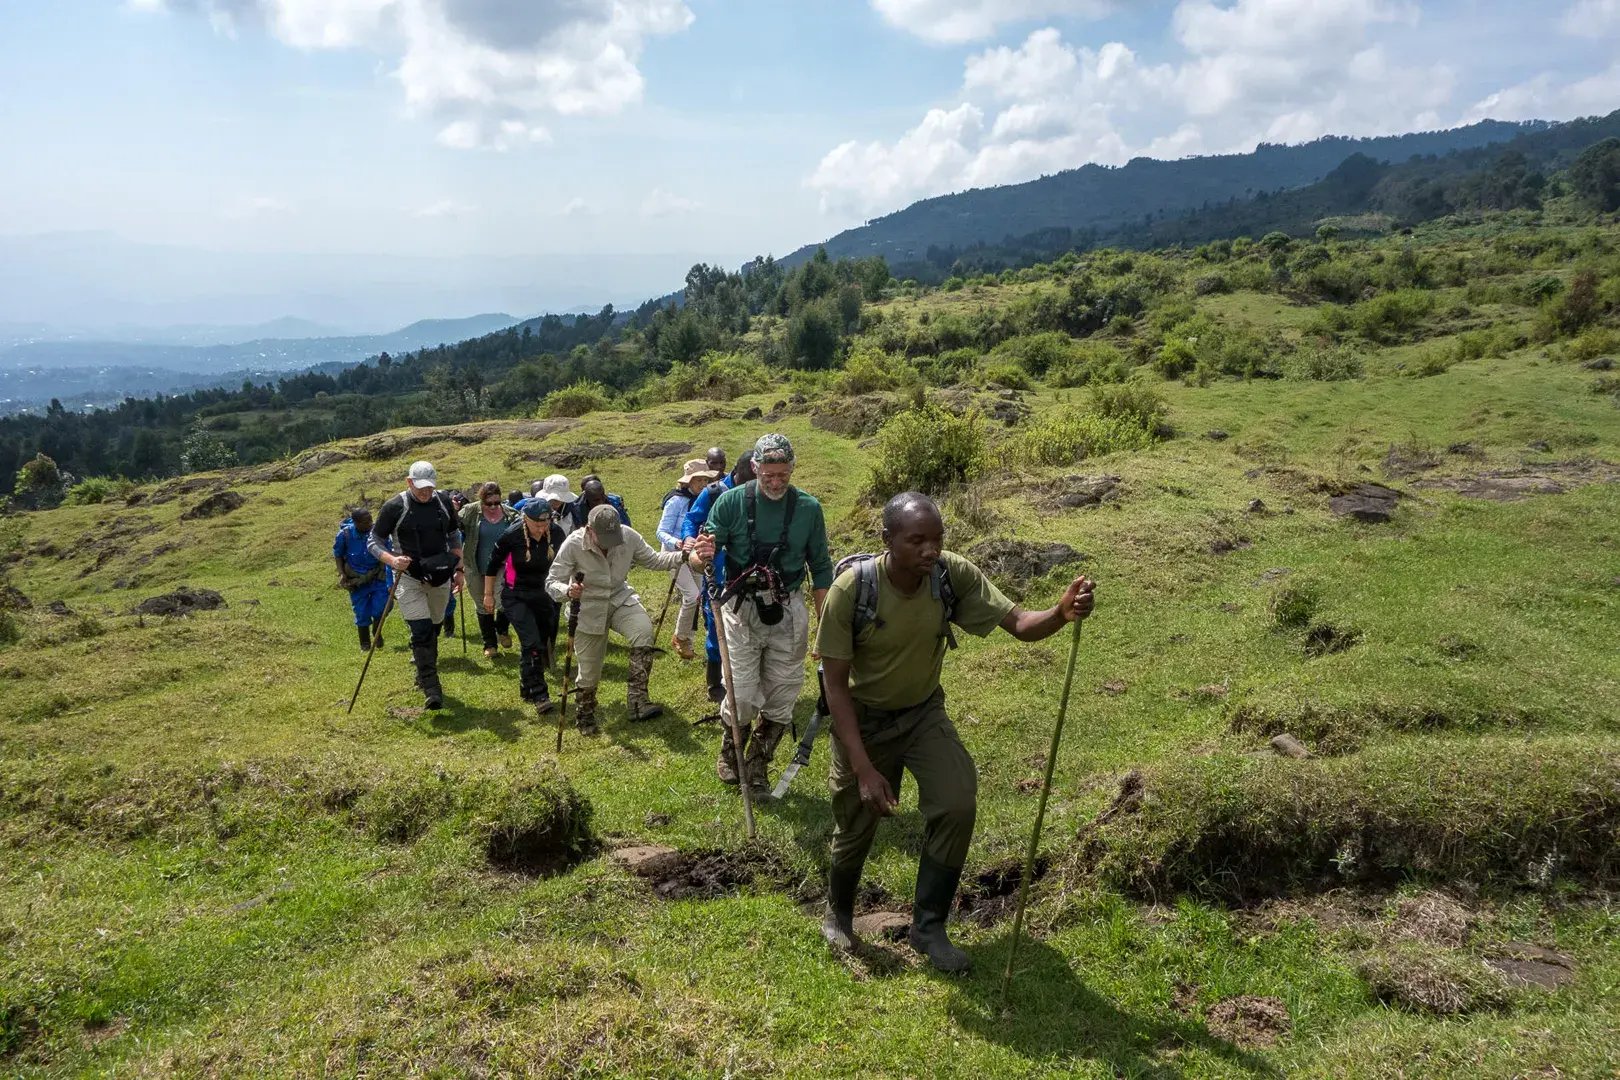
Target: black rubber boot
[936, 892]
[838, 927]
[448, 628]
[426, 656]
[365, 637]
[717, 689]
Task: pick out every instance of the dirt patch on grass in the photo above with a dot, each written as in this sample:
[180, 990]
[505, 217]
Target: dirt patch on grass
[572, 457]
[1020, 562]
[1513, 485]
[1076, 492]
[1438, 982]
[1250, 1022]
[216, 505]
[182, 602]
[991, 895]
[707, 874]
[1531, 965]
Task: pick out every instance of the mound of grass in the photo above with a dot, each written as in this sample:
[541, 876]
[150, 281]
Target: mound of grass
[1488, 809]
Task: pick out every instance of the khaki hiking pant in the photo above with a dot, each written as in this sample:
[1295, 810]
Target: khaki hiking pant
[920, 740]
[630, 622]
[419, 601]
[767, 662]
[687, 584]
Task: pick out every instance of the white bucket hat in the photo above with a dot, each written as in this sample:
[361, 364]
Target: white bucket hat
[555, 489]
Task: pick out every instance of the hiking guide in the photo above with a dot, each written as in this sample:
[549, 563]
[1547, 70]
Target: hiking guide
[482, 525]
[604, 550]
[363, 574]
[520, 559]
[423, 523]
[883, 639]
[773, 536]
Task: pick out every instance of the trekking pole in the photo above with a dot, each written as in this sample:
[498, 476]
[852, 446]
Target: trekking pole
[1040, 815]
[462, 609]
[731, 696]
[372, 648]
[658, 632]
[568, 659]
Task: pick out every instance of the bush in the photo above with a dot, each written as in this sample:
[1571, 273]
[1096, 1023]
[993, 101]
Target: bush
[713, 377]
[577, 399]
[1037, 353]
[1066, 438]
[1011, 376]
[39, 474]
[868, 370]
[1433, 361]
[1134, 402]
[97, 489]
[1389, 315]
[927, 450]
[1324, 364]
[946, 368]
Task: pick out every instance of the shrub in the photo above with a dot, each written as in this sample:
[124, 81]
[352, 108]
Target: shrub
[1135, 402]
[97, 489]
[1037, 353]
[713, 377]
[1324, 364]
[1066, 438]
[927, 450]
[1433, 361]
[39, 474]
[1011, 376]
[576, 399]
[1593, 343]
[1389, 315]
[947, 368]
[868, 370]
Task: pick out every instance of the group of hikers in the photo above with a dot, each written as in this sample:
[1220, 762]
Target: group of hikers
[740, 545]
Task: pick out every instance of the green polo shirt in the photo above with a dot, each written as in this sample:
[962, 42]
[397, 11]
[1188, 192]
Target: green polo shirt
[806, 543]
[897, 660]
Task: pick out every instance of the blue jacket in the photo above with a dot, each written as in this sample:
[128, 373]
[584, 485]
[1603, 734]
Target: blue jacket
[577, 510]
[698, 515]
[350, 546]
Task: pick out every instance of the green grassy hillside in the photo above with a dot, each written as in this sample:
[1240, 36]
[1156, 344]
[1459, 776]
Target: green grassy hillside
[210, 868]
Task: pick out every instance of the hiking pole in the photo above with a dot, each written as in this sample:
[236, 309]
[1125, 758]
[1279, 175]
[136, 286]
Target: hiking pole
[568, 659]
[801, 756]
[372, 648]
[658, 632]
[462, 608]
[1040, 815]
[731, 696]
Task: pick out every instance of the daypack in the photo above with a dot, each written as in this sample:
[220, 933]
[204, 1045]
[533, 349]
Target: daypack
[866, 593]
[670, 494]
[432, 570]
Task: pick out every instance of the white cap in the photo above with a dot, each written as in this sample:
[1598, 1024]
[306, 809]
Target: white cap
[423, 475]
[555, 489]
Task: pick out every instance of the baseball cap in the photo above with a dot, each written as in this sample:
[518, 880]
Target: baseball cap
[604, 522]
[773, 450]
[423, 474]
[537, 508]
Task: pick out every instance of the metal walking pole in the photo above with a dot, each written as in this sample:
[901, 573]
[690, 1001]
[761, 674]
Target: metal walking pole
[1040, 815]
[461, 607]
[374, 639]
[731, 696]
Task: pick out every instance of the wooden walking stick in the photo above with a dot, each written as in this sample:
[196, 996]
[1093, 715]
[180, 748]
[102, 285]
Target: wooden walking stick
[658, 631]
[375, 637]
[568, 659]
[1040, 815]
[461, 607]
[731, 696]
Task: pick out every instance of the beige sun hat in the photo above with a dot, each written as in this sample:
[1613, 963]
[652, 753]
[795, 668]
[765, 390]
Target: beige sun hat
[695, 469]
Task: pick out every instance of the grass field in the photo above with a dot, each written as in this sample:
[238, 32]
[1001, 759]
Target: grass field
[199, 877]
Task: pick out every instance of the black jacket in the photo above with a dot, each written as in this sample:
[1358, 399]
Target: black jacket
[531, 560]
[420, 530]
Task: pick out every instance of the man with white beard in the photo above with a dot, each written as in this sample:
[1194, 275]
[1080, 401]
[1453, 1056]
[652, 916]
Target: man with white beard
[773, 536]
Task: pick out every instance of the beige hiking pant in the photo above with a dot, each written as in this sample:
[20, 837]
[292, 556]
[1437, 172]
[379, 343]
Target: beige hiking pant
[767, 662]
[419, 601]
[687, 584]
[630, 622]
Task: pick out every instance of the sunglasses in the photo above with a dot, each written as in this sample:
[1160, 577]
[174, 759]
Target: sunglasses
[487, 502]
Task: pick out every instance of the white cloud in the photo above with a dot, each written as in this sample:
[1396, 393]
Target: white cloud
[445, 208]
[487, 72]
[1250, 71]
[958, 21]
[1589, 17]
[256, 206]
[661, 202]
[1546, 95]
[578, 206]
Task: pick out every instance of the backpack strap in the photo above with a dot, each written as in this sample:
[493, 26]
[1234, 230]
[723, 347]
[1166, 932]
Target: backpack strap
[774, 559]
[939, 585]
[866, 594]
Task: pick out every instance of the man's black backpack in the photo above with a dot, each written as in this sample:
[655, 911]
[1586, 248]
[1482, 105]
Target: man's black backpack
[866, 593]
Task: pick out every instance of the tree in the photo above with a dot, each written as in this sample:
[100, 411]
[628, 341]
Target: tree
[40, 474]
[1595, 175]
[813, 336]
[204, 451]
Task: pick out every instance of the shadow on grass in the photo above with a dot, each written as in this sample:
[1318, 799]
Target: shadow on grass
[458, 718]
[1054, 1018]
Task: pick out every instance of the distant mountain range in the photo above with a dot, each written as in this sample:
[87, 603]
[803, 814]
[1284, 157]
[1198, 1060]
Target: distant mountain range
[100, 372]
[1102, 198]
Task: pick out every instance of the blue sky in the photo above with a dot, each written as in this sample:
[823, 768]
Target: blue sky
[713, 128]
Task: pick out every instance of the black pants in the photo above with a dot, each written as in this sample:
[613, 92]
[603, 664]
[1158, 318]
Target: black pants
[534, 617]
[491, 625]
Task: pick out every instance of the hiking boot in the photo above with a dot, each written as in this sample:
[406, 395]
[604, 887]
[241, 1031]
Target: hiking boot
[365, 637]
[641, 661]
[761, 749]
[376, 633]
[717, 689]
[725, 766]
[491, 653]
[936, 891]
[543, 705]
[504, 640]
[682, 647]
[448, 628]
[838, 926]
[585, 710]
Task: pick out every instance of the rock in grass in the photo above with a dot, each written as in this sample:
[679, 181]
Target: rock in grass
[884, 925]
[1371, 503]
[215, 505]
[647, 860]
[183, 601]
[1288, 746]
[1531, 965]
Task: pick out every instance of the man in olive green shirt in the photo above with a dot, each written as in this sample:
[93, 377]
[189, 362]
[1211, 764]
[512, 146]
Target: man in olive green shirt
[773, 536]
[888, 712]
